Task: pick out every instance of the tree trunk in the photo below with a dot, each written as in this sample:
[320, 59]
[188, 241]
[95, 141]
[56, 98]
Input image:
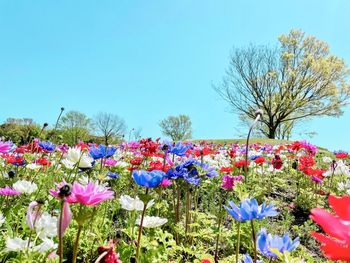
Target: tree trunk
[272, 132]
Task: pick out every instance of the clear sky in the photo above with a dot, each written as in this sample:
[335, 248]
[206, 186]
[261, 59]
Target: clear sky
[145, 60]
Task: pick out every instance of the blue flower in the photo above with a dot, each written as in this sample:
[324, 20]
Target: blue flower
[267, 241]
[113, 175]
[249, 210]
[248, 259]
[102, 151]
[47, 146]
[179, 149]
[191, 170]
[148, 179]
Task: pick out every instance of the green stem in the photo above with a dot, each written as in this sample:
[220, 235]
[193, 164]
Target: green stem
[76, 244]
[216, 258]
[254, 241]
[140, 230]
[238, 240]
[188, 207]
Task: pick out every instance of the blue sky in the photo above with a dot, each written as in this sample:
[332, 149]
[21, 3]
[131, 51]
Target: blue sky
[145, 60]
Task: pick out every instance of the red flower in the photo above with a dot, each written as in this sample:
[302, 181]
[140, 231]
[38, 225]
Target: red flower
[240, 163]
[136, 161]
[112, 256]
[226, 169]
[342, 155]
[295, 146]
[259, 160]
[205, 261]
[43, 161]
[336, 243]
[277, 162]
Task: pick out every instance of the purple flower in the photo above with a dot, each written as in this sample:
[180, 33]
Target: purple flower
[8, 191]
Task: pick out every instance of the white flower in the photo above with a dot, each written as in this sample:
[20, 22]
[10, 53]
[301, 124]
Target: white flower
[25, 187]
[131, 204]
[327, 159]
[45, 246]
[2, 219]
[46, 226]
[345, 186]
[15, 244]
[151, 221]
[33, 166]
[74, 155]
[340, 169]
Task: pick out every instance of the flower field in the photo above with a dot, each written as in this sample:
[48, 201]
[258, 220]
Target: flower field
[158, 201]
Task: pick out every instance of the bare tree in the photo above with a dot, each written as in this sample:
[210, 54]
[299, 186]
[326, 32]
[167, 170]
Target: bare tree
[109, 125]
[177, 127]
[296, 81]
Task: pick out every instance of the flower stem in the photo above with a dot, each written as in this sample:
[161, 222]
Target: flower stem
[76, 244]
[60, 235]
[140, 230]
[188, 207]
[254, 240]
[216, 258]
[238, 240]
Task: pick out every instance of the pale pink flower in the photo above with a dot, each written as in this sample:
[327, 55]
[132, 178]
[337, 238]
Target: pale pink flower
[33, 213]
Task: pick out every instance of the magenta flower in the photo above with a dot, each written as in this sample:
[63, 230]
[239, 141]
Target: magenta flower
[166, 182]
[70, 198]
[8, 191]
[91, 194]
[6, 147]
[109, 162]
[228, 182]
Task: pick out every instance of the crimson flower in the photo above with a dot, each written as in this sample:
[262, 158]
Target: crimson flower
[277, 162]
[335, 243]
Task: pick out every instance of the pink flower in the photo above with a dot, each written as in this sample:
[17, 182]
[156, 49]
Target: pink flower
[166, 182]
[68, 197]
[228, 182]
[91, 194]
[8, 191]
[6, 147]
[110, 162]
[33, 214]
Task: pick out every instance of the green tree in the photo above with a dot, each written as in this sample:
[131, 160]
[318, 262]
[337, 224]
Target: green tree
[20, 131]
[177, 127]
[74, 126]
[298, 80]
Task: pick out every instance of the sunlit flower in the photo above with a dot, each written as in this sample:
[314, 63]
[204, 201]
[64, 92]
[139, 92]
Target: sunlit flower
[131, 204]
[16, 244]
[25, 187]
[75, 155]
[6, 147]
[102, 151]
[47, 146]
[46, 225]
[151, 221]
[46, 246]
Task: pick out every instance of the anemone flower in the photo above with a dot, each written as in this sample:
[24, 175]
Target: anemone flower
[148, 179]
[91, 194]
[102, 151]
[47, 146]
[6, 147]
[266, 242]
[249, 210]
[9, 191]
[335, 243]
